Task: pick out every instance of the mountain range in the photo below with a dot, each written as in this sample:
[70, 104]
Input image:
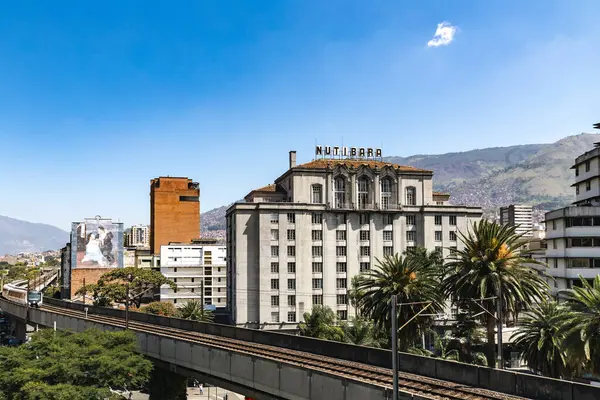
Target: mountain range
[536, 174]
[18, 236]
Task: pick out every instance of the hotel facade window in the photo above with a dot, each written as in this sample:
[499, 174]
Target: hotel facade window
[339, 193]
[363, 193]
[386, 193]
[317, 218]
[291, 217]
[411, 196]
[317, 194]
[317, 267]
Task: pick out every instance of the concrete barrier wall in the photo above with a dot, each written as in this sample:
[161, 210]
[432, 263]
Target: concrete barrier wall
[526, 385]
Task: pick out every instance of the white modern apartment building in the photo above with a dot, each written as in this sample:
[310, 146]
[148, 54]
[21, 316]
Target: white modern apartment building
[138, 236]
[298, 242]
[573, 233]
[519, 215]
[199, 270]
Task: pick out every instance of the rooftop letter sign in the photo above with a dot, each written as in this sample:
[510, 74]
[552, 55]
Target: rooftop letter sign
[346, 152]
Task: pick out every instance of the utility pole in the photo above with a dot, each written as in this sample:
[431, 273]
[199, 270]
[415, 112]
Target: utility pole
[127, 305]
[202, 296]
[394, 317]
[500, 319]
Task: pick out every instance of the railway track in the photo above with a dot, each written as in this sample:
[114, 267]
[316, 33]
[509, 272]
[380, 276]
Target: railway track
[430, 388]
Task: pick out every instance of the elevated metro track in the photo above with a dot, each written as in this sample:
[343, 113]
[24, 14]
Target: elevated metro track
[277, 365]
[414, 384]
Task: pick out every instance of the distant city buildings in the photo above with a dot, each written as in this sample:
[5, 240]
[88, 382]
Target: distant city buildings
[298, 242]
[174, 211]
[199, 271]
[573, 233]
[520, 216]
[138, 236]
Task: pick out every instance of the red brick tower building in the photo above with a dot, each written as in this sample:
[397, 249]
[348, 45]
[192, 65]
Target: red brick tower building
[174, 211]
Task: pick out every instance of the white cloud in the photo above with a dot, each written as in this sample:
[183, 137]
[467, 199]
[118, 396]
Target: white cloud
[444, 34]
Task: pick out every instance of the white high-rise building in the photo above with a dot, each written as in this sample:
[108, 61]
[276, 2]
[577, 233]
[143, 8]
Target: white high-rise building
[193, 267]
[573, 233]
[138, 236]
[298, 242]
[519, 215]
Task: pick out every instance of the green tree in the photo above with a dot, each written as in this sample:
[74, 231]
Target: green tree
[583, 327]
[466, 337]
[62, 365]
[362, 332]
[167, 385]
[321, 323]
[493, 257]
[194, 310]
[112, 286]
[539, 338]
[412, 281]
[163, 308]
[52, 291]
[354, 294]
[16, 272]
[434, 258]
[51, 261]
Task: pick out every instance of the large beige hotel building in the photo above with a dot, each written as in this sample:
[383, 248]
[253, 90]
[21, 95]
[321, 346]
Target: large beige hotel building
[299, 241]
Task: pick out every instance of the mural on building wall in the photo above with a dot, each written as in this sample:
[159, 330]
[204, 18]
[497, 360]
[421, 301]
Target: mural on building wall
[97, 243]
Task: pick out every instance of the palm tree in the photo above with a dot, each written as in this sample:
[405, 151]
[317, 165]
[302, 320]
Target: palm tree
[540, 337]
[412, 281]
[493, 264]
[583, 330]
[321, 323]
[361, 332]
[194, 310]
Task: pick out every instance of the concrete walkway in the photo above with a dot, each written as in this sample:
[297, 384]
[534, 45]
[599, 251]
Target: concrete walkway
[211, 393]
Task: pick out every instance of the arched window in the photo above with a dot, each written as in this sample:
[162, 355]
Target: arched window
[411, 196]
[386, 193]
[339, 192]
[363, 192]
[317, 194]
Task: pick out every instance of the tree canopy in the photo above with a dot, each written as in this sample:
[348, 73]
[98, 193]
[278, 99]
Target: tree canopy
[412, 280]
[112, 286]
[163, 308]
[321, 323]
[491, 263]
[72, 366]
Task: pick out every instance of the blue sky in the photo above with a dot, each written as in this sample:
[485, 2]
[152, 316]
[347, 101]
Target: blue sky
[97, 98]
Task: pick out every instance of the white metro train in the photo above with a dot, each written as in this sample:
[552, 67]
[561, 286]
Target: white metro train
[19, 294]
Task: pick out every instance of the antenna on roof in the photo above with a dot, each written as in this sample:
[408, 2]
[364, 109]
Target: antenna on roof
[341, 151]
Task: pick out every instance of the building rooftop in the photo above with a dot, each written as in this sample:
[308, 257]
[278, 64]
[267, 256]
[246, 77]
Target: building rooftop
[267, 189]
[332, 163]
